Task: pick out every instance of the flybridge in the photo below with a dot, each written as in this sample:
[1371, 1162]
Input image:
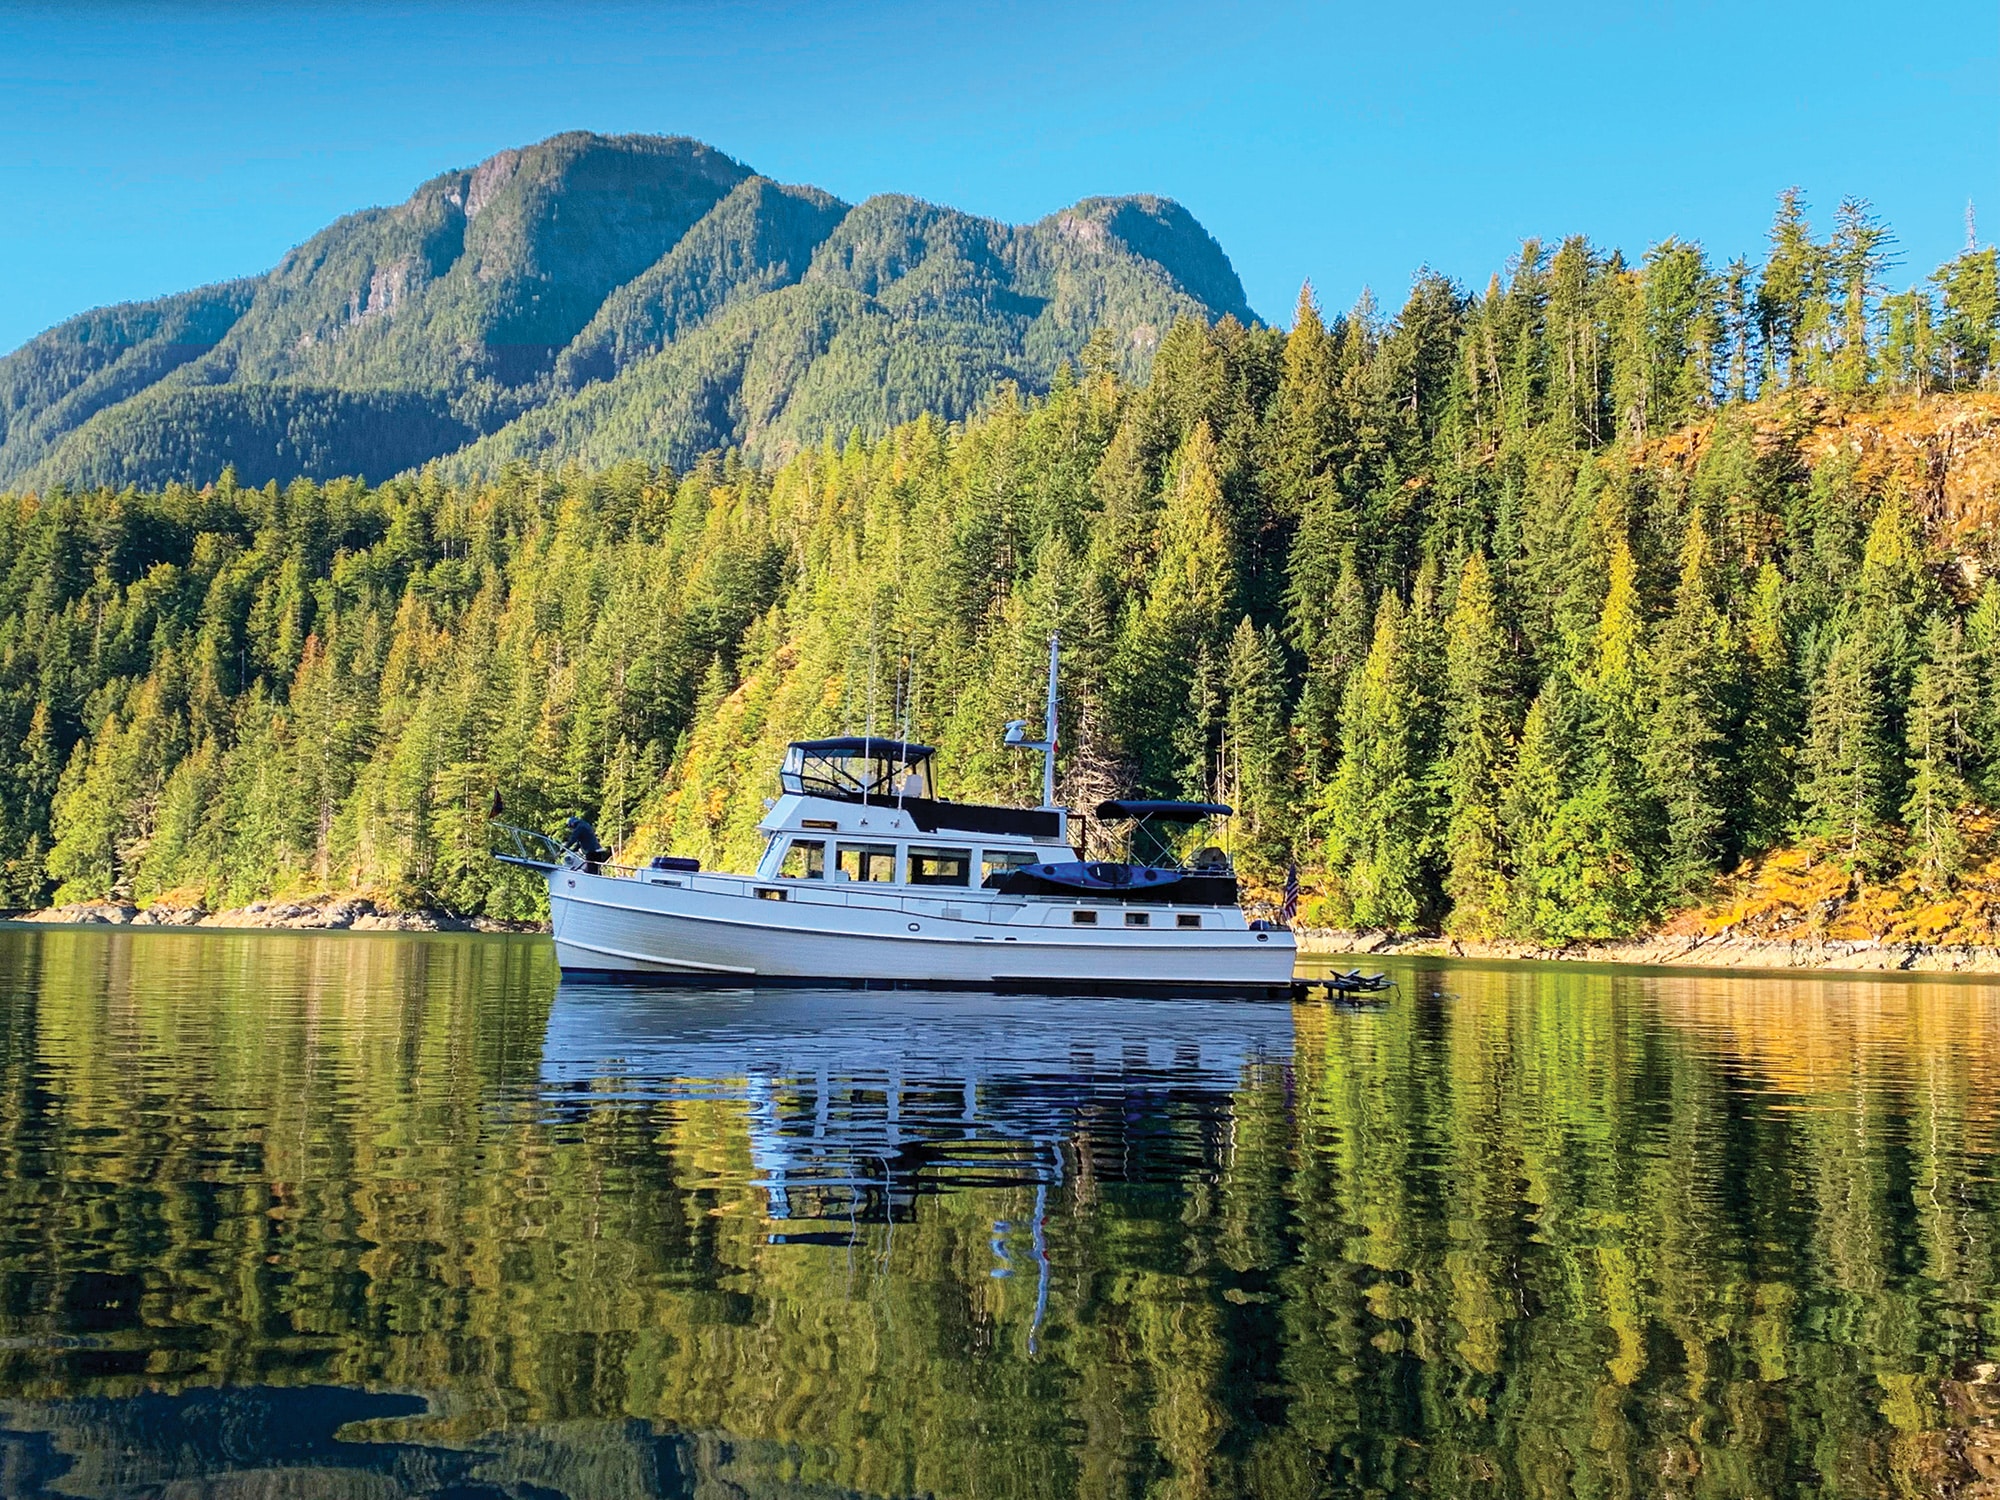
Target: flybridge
[867, 771]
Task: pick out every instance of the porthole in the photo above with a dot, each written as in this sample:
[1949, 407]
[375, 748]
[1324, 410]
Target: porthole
[916, 927]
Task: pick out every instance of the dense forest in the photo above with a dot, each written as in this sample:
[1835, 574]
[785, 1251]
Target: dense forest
[1521, 611]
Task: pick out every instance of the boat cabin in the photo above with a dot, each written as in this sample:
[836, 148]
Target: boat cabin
[857, 808]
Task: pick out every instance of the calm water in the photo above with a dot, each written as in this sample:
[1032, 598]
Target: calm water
[342, 1215]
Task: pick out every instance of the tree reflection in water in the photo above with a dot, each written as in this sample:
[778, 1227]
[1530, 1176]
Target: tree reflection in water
[383, 1216]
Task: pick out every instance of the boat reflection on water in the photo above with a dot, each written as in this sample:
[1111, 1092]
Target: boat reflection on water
[858, 1102]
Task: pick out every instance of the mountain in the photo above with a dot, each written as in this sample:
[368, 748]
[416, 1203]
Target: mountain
[598, 298]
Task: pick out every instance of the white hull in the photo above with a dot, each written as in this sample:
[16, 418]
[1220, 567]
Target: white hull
[716, 928]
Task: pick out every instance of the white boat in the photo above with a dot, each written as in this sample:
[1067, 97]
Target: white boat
[869, 878]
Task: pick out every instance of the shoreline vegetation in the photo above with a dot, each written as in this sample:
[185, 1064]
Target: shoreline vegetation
[1624, 597]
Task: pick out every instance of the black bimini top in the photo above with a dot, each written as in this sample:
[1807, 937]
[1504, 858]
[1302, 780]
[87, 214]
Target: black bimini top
[1163, 812]
[855, 744]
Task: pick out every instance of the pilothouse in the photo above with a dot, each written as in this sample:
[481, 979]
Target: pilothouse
[870, 877]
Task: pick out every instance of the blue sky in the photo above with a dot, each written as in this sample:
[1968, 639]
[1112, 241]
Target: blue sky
[149, 148]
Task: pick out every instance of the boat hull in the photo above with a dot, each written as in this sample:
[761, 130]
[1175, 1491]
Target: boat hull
[709, 930]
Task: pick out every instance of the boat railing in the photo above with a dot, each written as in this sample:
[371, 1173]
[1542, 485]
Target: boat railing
[655, 875]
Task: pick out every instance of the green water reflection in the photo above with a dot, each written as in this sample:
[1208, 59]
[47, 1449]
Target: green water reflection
[386, 1216]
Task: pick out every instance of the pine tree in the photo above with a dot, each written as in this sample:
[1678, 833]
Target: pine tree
[1856, 258]
[1177, 628]
[1543, 775]
[1982, 650]
[1688, 737]
[1254, 744]
[1893, 594]
[1737, 368]
[1939, 748]
[1847, 780]
[1338, 645]
[1790, 295]
[1600, 882]
[1909, 341]
[1969, 325]
[1768, 742]
[1303, 423]
[1576, 334]
[1379, 814]
[1479, 740]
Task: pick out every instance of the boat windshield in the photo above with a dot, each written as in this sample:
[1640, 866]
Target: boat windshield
[857, 766]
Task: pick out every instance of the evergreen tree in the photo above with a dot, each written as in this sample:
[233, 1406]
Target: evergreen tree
[1379, 814]
[1690, 731]
[1856, 259]
[1768, 743]
[1303, 425]
[1848, 784]
[1600, 880]
[1791, 314]
[1939, 749]
[1338, 642]
[1909, 341]
[1478, 735]
[1254, 745]
[1982, 651]
[1969, 327]
[1544, 773]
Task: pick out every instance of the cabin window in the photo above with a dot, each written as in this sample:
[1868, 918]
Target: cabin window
[1000, 863]
[940, 866]
[1084, 918]
[1138, 919]
[769, 893]
[874, 863]
[805, 860]
[1188, 919]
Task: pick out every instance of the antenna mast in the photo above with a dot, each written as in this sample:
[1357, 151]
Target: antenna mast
[1048, 746]
[1017, 737]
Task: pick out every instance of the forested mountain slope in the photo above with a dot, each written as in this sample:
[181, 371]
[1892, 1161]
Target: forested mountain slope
[1530, 611]
[399, 335]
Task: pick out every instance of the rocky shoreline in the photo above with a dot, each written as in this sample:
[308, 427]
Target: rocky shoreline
[1679, 950]
[325, 913]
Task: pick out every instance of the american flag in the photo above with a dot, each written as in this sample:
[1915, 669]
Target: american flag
[1290, 906]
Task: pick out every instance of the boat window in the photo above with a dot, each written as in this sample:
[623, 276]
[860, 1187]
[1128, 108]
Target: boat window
[1084, 918]
[940, 866]
[857, 767]
[805, 860]
[998, 864]
[875, 863]
[1138, 919]
[1188, 919]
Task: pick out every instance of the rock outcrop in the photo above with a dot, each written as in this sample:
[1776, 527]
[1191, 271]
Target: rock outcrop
[347, 913]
